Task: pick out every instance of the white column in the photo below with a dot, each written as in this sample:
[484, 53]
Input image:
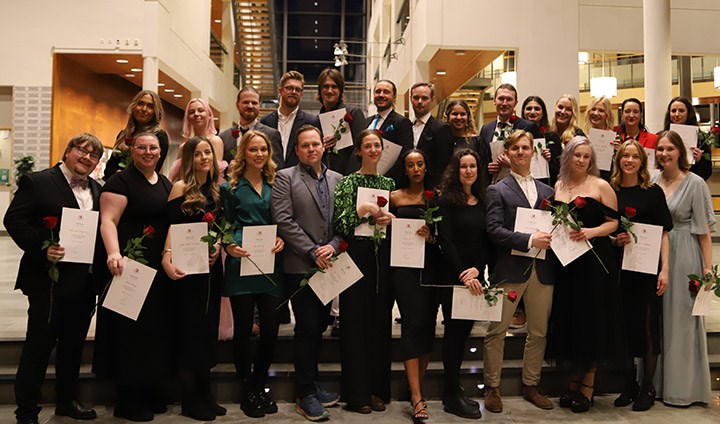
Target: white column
[658, 63]
[150, 73]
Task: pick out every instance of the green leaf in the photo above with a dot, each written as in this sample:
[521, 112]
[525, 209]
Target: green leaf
[54, 273]
[45, 244]
[141, 260]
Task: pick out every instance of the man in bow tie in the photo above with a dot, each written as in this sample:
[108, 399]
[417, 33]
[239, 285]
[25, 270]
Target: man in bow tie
[531, 278]
[59, 313]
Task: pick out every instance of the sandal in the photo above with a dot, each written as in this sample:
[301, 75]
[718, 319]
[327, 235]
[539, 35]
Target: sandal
[420, 412]
[583, 403]
[567, 398]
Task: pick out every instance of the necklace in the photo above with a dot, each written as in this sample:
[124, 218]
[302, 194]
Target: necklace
[571, 188]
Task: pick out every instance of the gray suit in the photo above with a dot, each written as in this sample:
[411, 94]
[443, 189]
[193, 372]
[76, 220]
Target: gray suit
[231, 143]
[295, 208]
[535, 286]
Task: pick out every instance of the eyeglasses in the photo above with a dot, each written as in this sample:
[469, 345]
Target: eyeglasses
[84, 152]
[145, 149]
[293, 89]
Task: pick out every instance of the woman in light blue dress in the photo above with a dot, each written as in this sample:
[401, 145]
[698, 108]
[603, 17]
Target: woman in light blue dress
[683, 374]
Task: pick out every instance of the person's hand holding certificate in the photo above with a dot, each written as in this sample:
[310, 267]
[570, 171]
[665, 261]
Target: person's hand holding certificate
[189, 253]
[531, 221]
[328, 284]
[127, 292]
[371, 195]
[258, 241]
[407, 248]
[644, 255]
[78, 230]
[476, 308]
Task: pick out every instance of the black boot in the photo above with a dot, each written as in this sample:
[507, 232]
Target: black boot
[193, 404]
[207, 396]
[456, 403]
[250, 402]
[628, 395]
[645, 400]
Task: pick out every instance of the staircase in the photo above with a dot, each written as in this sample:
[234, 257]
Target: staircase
[255, 38]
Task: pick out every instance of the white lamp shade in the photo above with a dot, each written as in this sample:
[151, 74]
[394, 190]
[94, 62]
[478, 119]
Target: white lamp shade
[509, 78]
[603, 86]
[583, 58]
[716, 74]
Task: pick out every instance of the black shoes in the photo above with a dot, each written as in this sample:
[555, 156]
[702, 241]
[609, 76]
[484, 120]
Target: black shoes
[267, 403]
[197, 410]
[74, 410]
[134, 412]
[582, 403]
[377, 404]
[627, 396]
[457, 404]
[645, 400]
[251, 404]
[30, 420]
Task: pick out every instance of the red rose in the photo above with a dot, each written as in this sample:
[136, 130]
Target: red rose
[512, 296]
[381, 201]
[579, 202]
[342, 246]
[513, 119]
[715, 129]
[50, 222]
[543, 129]
[347, 117]
[429, 194]
[545, 204]
[149, 231]
[694, 286]
[209, 218]
[380, 132]
[129, 141]
[617, 129]
[235, 132]
[630, 212]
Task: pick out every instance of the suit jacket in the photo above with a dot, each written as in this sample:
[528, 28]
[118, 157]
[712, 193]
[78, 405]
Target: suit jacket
[398, 129]
[486, 136]
[344, 161]
[503, 199]
[231, 143]
[301, 118]
[42, 194]
[296, 210]
[436, 140]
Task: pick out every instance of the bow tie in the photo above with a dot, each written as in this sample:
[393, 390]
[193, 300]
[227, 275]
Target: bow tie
[79, 182]
[503, 125]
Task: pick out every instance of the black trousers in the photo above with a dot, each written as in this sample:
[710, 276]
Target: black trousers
[310, 322]
[456, 335]
[365, 329]
[66, 332]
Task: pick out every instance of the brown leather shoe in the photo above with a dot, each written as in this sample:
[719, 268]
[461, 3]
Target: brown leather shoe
[493, 403]
[532, 395]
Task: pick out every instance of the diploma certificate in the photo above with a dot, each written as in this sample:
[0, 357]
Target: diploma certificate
[330, 121]
[407, 249]
[602, 142]
[644, 255]
[390, 155]
[703, 299]
[539, 166]
[476, 308]
[189, 253]
[329, 284]
[651, 162]
[258, 240]
[365, 194]
[531, 221]
[565, 249]
[497, 148]
[78, 230]
[689, 135]
[128, 291]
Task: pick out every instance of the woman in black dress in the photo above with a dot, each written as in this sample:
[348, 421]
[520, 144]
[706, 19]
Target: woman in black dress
[195, 299]
[465, 136]
[145, 113]
[416, 304]
[135, 354]
[681, 111]
[642, 301]
[463, 240]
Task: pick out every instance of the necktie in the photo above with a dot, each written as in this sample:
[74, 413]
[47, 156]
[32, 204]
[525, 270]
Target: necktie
[79, 182]
[502, 126]
[375, 122]
[243, 130]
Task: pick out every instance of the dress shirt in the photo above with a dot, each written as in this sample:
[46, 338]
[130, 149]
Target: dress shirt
[323, 192]
[528, 187]
[380, 117]
[502, 129]
[285, 124]
[418, 128]
[82, 195]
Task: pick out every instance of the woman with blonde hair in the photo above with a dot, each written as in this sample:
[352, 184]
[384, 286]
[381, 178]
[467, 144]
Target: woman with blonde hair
[145, 113]
[246, 202]
[599, 115]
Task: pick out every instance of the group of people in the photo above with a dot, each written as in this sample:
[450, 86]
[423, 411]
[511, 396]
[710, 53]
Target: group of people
[283, 170]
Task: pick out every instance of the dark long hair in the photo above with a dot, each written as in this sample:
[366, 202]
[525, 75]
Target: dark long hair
[691, 114]
[404, 181]
[451, 188]
[544, 121]
[641, 125]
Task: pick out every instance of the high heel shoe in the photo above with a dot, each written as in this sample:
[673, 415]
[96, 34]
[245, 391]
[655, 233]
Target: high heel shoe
[627, 396]
[567, 398]
[582, 403]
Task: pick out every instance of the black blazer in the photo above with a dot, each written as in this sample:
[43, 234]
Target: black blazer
[398, 129]
[436, 140]
[344, 161]
[42, 194]
[230, 143]
[301, 118]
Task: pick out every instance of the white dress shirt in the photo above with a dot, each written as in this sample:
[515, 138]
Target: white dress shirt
[528, 187]
[285, 124]
[418, 128]
[377, 122]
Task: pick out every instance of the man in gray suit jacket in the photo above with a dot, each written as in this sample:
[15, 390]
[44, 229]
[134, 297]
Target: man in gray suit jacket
[248, 103]
[302, 206]
[531, 278]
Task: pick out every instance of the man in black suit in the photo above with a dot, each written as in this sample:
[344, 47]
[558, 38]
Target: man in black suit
[248, 103]
[58, 313]
[429, 134]
[288, 118]
[394, 127]
[494, 133]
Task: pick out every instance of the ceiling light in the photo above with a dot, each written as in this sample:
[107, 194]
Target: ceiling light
[177, 95]
[121, 60]
[169, 90]
[160, 84]
[440, 72]
[338, 51]
[136, 70]
[129, 75]
[218, 21]
[603, 87]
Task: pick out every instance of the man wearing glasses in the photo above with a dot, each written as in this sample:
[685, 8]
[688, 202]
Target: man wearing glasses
[289, 117]
[58, 313]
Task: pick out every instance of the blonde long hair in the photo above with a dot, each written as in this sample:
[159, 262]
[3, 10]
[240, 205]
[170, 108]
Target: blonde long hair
[609, 117]
[238, 166]
[131, 126]
[569, 132]
[643, 174]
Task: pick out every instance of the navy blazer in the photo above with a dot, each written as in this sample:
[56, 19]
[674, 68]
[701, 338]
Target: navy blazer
[436, 140]
[42, 194]
[301, 118]
[398, 129]
[503, 199]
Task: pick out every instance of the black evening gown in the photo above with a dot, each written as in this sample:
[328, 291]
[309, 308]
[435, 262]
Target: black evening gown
[137, 352]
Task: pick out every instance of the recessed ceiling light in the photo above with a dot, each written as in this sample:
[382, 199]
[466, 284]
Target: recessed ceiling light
[136, 70]
[218, 21]
[177, 95]
[169, 90]
[459, 52]
[130, 75]
[121, 60]
[160, 84]
[440, 72]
